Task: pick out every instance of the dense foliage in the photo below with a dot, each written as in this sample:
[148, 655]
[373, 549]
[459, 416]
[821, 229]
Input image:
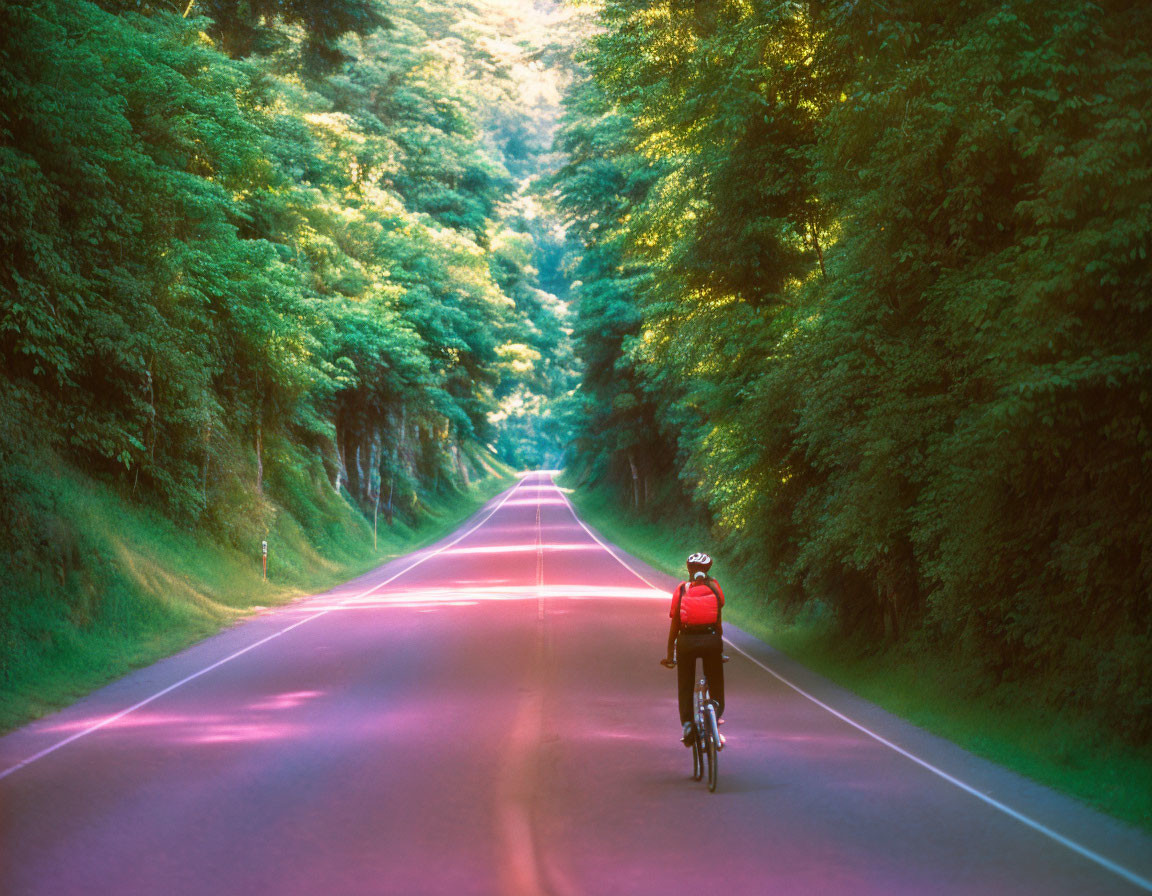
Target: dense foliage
[874, 279]
[209, 253]
[266, 268]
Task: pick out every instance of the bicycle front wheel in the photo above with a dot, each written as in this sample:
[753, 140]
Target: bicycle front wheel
[713, 758]
[712, 744]
[697, 759]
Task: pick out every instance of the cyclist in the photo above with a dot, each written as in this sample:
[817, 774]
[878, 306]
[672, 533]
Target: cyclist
[696, 631]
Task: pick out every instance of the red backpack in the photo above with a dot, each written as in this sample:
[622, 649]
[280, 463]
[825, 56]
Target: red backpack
[684, 586]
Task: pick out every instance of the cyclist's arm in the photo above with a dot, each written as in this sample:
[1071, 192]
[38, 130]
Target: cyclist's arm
[672, 631]
[674, 628]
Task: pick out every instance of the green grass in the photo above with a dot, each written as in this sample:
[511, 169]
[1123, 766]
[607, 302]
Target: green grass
[117, 587]
[917, 682]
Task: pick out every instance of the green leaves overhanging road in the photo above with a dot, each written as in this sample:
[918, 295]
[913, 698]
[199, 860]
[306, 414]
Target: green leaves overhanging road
[873, 282]
[283, 228]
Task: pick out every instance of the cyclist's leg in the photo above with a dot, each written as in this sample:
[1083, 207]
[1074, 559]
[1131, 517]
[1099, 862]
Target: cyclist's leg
[714, 672]
[685, 678]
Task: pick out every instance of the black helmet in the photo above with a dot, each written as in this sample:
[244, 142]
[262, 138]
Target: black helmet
[698, 563]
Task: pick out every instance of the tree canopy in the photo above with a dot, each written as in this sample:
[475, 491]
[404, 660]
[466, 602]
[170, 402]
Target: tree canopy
[278, 222]
[874, 281]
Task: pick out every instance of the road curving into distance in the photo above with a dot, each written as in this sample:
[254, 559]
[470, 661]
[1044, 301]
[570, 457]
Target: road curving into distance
[488, 716]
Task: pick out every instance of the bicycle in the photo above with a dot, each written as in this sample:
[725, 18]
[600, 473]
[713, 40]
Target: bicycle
[706, 742]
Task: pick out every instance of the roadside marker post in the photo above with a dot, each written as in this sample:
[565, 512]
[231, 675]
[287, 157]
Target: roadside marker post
[264, 557]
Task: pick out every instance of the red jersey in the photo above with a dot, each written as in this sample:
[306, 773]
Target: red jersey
[697, 604]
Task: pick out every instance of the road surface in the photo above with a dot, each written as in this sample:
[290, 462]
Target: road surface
[488, 716]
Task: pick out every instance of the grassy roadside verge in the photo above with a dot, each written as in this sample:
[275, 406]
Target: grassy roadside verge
[134, 587]
[930, 690]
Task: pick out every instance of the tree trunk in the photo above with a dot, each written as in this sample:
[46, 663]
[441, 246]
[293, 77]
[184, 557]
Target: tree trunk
[149, 433]
[458, 456]
[635, 481]
[207, 461]
[891, 621]
[259, 459]
[341, 466]
[359, 492]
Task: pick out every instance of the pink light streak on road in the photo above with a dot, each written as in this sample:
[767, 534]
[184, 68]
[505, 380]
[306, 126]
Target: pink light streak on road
[488, 717]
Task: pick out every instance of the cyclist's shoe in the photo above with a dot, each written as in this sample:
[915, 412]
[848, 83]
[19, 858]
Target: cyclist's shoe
[720, 746]
[689, 734]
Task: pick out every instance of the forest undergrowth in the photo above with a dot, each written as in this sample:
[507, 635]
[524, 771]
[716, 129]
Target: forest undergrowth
[102, 585]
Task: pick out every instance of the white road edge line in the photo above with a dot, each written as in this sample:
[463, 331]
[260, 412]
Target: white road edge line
[1119, 870]
[115, 718]
[1084, 851]
[594, 537]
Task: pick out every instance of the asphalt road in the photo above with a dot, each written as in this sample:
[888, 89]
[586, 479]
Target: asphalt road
[488, 716]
